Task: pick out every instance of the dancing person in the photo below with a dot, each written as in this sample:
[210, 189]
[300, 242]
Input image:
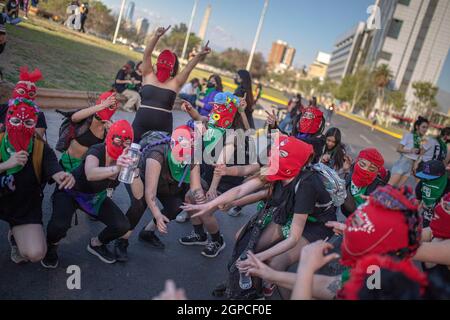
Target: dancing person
[94, 122]
[244, 90]
[123, 80]
[26, 88]
[189, 91]
[97, 174]
[30, 163]
[410, 149]
[160, 87]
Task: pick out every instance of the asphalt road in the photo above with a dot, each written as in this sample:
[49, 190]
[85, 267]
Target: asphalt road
[144, 275]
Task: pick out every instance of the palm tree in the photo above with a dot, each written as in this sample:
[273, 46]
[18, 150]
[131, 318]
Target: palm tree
[382, 75]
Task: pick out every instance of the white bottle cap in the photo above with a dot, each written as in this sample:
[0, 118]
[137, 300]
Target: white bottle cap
[136, 146]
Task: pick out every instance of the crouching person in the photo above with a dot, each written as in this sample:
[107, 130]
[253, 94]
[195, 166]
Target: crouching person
[94, 178]
[27, 164]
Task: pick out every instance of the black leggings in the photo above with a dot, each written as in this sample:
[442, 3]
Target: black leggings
[171, 207]
[64, 207]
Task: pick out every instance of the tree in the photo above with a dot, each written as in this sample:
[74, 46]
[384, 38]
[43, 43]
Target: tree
[354, 87]
[382, 75]
[396, 99]
[175, 40]
[425, 93]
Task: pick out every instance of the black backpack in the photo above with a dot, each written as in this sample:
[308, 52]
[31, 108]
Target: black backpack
[70, 130]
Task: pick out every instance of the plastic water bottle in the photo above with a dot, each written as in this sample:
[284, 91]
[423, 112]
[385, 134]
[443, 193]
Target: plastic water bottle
[245, 282]
[127, 174]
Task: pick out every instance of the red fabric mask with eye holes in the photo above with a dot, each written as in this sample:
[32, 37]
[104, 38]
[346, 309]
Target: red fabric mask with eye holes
[20, 134]
[120, 129]
[310, 121]
[107, 113]
[164, 65]
[440, 225]
[26, 87]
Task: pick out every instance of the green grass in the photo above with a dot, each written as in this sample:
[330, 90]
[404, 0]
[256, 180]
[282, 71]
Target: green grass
[69, 60]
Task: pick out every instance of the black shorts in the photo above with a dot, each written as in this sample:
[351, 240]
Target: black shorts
[315, 231]
[14, 220]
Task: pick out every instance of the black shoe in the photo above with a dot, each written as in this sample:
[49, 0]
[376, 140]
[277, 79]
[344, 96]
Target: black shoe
[120, 249]
[194, 239]
[102, 252]
[213, 248]
[51, 260]
[151, 238]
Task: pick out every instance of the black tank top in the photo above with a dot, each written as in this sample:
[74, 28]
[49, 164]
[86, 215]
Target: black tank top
[88, 139]
[153, 96]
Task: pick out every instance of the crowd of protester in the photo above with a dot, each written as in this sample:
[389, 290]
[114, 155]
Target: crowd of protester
[318, 206]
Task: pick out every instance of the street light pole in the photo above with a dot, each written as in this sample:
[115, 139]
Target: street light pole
[186, 41]
[258, 31]
[116, 33]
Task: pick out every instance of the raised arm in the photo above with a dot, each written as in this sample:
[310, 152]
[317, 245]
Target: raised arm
[147, 66]
[191, 111]
[87, 112]
[183, 76]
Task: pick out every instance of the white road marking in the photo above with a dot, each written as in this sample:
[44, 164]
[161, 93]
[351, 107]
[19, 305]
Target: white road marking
[365, 139]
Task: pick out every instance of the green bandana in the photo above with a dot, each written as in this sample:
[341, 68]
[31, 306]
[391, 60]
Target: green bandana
[6, 149]
[357, 193]
[432, 190]
[177, 169]
[211, 137]
[70, 163]
[417, 140]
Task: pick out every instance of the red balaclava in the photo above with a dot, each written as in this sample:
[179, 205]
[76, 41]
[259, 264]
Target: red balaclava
[310, 121]
[121, 129]
[440, 225]
[387, 223]
[359, 275]
[164, 65]
[182, 144]
[363, 178]
[287, 158]
[19, 134]
[224, 110]
[26, 87]
[107, 113]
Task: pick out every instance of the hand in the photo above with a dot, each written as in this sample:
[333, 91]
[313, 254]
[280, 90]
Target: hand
[314, 256]
[243, 103]
[124, 161]
[205, 51]
[107, 124]
[221, 170]
[17, 159]
[326, 158]
[171, 292]
[211, 194]
[161, 31]
[186, 106]
[161, 223]
[200, 209]
[65, 180]
[338, 228]
[255, 267]
[271, 118]
[414, 151]
[110, 101]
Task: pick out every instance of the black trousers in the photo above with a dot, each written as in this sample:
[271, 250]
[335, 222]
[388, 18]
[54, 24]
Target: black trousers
[171, 207]
[64, 207]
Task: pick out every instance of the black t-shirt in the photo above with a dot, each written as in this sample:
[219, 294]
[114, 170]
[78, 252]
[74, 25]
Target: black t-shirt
[92, 187]
[28, 187]
[41, 123]
[121, 75]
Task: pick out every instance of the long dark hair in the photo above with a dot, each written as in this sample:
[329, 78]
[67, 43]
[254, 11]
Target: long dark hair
[176, 66]
[297, 108]
[339, 148]
[420, 120]
[245, 87]
[218, 80]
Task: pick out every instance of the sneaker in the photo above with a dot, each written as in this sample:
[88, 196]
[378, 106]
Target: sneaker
[50, 260]
[102, 252]
[182, 217]
[235, 211]
[151, 238]
[194, 239]
[268, 289]
[213, 249]
[16, 257]
[120, 249]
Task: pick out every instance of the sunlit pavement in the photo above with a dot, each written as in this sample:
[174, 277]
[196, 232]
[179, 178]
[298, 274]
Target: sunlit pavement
[144, 275]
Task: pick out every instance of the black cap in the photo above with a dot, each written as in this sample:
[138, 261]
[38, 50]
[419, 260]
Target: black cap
[430, 170]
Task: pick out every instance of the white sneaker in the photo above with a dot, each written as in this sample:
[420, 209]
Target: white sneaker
[16, 257]
[182, 217]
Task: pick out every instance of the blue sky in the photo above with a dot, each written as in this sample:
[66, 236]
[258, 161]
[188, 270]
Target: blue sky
[307, 25]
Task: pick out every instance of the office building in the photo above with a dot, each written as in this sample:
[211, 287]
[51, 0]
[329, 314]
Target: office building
[318, 69]
[142, 26]
[289, 56]
[129, 12]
